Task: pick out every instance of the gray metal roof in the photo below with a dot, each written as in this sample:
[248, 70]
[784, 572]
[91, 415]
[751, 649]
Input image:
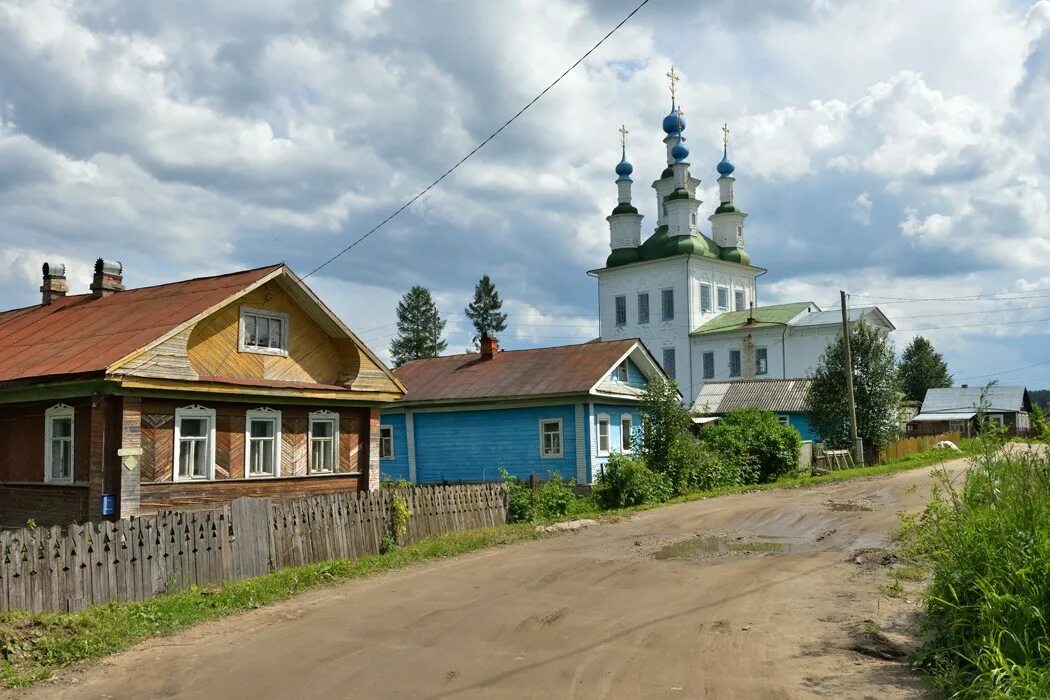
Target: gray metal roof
[777, 395]
[827, 318]
[938, 417]
[960, 399]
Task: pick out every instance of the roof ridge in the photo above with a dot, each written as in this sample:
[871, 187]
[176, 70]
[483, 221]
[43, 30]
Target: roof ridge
[587, 343]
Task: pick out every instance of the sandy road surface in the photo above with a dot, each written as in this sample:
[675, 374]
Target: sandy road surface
[588, 615]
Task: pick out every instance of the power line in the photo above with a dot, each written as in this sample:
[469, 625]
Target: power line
[998, 296]
[481, 145]
[1007, 371]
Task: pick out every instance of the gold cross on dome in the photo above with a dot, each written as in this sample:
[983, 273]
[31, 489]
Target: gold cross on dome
[673, 77]
[623, 135]
[725, 135]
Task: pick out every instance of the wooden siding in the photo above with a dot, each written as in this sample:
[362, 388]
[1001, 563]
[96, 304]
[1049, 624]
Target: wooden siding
[46, 504]
[22, 440]
[203, 494]
[167, 360]
[158, 434]
[397, 466]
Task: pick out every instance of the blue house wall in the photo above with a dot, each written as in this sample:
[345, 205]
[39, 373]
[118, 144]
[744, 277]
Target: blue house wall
[800, 422]
[395, 467]
[471, 445]
[596, 462]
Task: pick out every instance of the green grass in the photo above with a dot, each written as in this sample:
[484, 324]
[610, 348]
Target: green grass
[985, 542]
[33, 646]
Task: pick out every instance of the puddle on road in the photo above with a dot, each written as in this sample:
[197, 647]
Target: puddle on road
[849, 507]
[699, 547]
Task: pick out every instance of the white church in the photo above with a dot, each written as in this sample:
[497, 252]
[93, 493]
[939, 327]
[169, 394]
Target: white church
[693, 298]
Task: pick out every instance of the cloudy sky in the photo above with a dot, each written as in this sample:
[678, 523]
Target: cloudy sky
[898, 149]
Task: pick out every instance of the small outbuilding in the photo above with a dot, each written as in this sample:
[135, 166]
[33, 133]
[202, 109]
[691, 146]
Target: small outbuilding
[787, 398]
[957, 408]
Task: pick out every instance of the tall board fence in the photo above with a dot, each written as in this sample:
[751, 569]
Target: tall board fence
[907, 446]
[64, 569]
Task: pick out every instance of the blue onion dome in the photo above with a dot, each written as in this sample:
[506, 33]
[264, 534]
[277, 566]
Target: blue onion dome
[673, 123]
[679, 152]
[724, 167]
[624, 169]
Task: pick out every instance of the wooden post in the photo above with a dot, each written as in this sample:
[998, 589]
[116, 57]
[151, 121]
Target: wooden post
[96, 457]
[858, 446]
[130, 456]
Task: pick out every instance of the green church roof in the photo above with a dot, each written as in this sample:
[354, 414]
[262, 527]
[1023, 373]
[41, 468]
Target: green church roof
[764, 317]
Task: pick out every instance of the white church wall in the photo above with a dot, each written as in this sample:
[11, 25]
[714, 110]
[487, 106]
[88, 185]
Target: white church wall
[748, 343]
[715, 274]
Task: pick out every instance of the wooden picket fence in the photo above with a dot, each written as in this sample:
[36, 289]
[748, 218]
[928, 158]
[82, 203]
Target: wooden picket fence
[907, 446]
[64, 569]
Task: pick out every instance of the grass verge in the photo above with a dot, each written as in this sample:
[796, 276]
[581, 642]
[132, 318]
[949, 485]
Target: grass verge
[33, 646]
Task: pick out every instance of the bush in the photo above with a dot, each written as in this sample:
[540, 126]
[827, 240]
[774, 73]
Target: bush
[664, 422]
[626, 481]
[989, 547]
[553, 498]
[521, 505]
[704, 469]
[763, 448]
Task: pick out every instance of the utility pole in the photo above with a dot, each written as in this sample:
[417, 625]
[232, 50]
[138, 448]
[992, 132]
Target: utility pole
[858, 446]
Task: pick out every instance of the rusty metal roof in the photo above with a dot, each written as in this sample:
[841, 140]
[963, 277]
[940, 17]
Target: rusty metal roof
[566, 369]
[777, 395]
[80, 334]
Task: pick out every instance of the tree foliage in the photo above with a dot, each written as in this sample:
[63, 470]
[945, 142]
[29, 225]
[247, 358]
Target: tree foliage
[419, 327]
[484, 311]
[665, 423]
[922, 368]
[766, 448]
[874, 386]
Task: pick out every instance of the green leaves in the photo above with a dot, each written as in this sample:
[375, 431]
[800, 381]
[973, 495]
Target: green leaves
[484, 311]
[419, 328]
[922, 368]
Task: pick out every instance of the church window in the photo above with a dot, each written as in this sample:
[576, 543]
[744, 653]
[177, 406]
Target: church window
[739, 234]
[709, 365]
[705, 298]
[723, 298]
[739, 300]
[668, 363]
[643, 307]
[734, 363]
[761, 361]
[621, 311]
[667, 304]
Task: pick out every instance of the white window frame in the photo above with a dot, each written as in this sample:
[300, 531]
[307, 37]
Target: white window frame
[627, 433]
[621, 373]
[739, 363]
[783, 419]
[642, 321]
[194, 411]
[997, 418]
[603, 420]
[620, 321]
[741, 296]
[760, 369]
[322, 417]
[709, 306]
[56, 412]
[703, 364]
[242, 345]
[561, 438]
[718, 298]
[392, 454]
[262, 413]
[664, 316]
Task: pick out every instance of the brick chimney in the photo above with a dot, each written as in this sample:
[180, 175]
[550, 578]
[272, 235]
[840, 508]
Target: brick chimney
[108, 278]
[489, 346]
[54, 285]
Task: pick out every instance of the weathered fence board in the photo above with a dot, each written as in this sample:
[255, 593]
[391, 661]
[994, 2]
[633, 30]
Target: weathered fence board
[65, 569]
[907, 446]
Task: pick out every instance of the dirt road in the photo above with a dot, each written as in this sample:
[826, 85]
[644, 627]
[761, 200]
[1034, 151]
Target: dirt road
[763, 600]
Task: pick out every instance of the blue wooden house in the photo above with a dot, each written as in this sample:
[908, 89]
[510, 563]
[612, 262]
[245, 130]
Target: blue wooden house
[562, 409]
[787, 398]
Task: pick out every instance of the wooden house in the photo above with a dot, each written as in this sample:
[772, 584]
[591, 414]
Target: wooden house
[561, 409]
[960, 409]
[124, 401]
[787, 398]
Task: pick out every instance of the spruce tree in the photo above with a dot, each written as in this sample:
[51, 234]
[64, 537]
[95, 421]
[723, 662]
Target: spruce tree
[922, 368]
[419, 327]
[484, 311]
[875, 389]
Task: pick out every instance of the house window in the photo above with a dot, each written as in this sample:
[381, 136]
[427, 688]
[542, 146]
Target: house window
[194, 443]
[667, 304]
[324, 442]
[783, 419]
[58, 443]
[734, 363]
[264, 331]
[550, 438]
[996, 418]
[723, 298]
[761, 361]
[626, 433]
[705, 298]
[262, 439]
[643, 307]
[621, 311]
[386, 442]
[603, 435]
[621, 372]
[738, 300]
[709, 365]
[668, 363]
